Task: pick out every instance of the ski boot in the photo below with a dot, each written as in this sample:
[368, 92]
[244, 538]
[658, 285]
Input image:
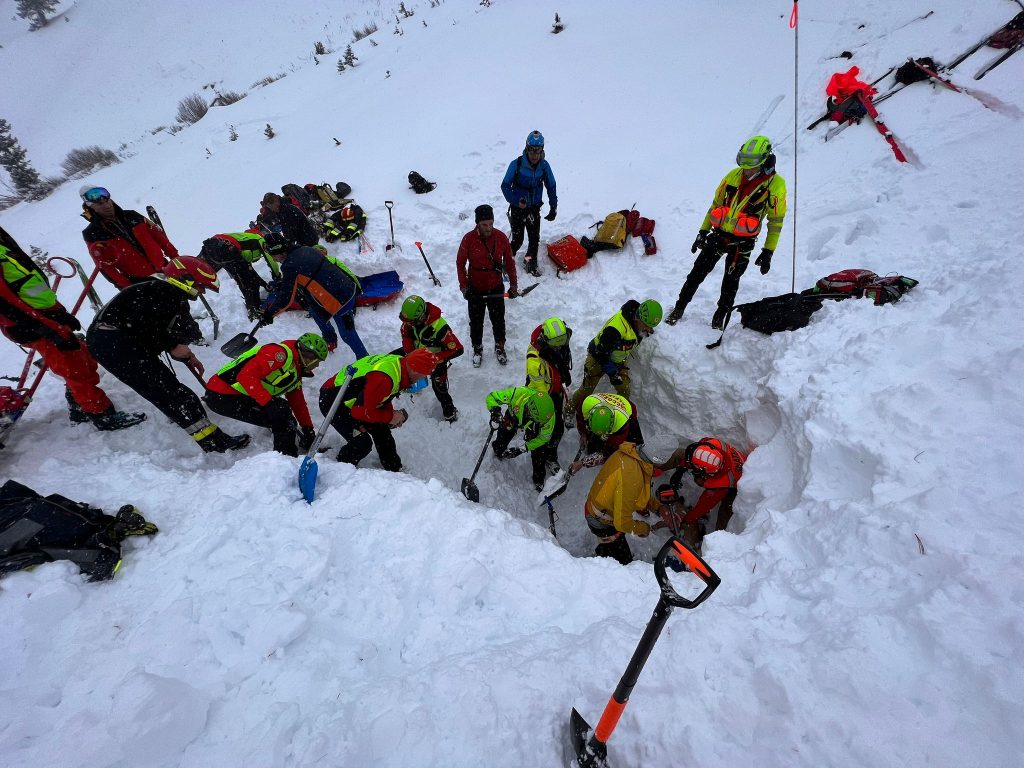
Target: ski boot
[718, 321]
[452, 417]
[128, 522]
[111, 420]
[478, 357]
[675, 315]
[499, 353]
[75, 413]
[219, 441]
[530, 265]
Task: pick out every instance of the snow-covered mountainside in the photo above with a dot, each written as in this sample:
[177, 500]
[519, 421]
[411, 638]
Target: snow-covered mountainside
[870, 607]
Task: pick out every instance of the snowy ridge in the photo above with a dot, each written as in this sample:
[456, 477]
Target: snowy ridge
[869, 612]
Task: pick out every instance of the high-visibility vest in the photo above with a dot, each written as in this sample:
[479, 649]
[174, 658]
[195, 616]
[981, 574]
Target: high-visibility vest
[28, 283]
[277, 382]
[389, 364]
[629, 340]
[432, 332]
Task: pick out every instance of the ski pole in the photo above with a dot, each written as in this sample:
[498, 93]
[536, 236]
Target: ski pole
[432, 276]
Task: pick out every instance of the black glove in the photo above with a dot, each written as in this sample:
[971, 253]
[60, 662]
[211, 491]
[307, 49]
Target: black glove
[764, 261]
[551, 214]
[495, 417]
[267, 317]
[70, 344]
[615, 379]
[306, 437]
[64, 317]
[700, 242]
[511, 453]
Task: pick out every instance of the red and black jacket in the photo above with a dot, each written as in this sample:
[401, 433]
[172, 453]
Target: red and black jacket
[127, 248]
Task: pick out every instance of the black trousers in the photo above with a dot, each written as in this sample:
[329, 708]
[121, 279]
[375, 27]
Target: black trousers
[360, 436]
[439, 383]
[613, 543]
[525, 221]
[538, 458]
[220, 255]
[737, 251]
[275, 416]
[149, 376]
[492, 304]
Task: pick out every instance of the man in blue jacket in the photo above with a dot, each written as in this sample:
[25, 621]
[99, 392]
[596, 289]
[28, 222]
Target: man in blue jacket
[523, 189]
[326, 287]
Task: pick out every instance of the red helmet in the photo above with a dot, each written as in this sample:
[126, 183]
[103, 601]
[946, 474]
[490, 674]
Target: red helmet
[706, 458]
[192, 271]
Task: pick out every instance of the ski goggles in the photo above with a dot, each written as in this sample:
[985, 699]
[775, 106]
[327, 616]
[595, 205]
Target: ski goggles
[96, 195]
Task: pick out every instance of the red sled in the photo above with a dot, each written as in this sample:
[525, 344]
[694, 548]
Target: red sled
[567, 253]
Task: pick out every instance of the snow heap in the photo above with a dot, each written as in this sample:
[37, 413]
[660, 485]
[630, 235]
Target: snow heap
[869, 612]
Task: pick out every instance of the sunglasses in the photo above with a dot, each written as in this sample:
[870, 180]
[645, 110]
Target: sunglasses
[535, 150]
[96, 195]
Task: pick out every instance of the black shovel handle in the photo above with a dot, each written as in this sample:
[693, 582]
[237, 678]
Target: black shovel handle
[483, 453]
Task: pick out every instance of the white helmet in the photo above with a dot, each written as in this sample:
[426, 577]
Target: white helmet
[658, 449]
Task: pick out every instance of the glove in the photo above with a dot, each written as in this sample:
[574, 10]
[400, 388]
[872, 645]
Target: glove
[764, 261]
[641, 529]
[64, 317]
[700, 242]
[551, 214]
[592, 460]
[306, 437]
[495, 417]
[267, 317]
[511, 453]
[610, 368]
[70, 344]
[615, 379]
[465, 292]
[513, 292]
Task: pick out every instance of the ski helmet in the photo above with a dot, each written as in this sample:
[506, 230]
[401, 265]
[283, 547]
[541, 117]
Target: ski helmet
[314, 344]
[540, 408]
[705, 457]
[188, 271]
[649, 313]
[600, 420]
[658, 449]
[413, 309]
[90, 193]
[754, 153]
[554, 332]
[420, 362]
[535, 139]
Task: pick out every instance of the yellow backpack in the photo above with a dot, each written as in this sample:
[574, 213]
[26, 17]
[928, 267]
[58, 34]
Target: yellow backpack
[612, 231]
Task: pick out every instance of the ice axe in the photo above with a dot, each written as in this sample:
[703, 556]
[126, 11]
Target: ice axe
[589, 747]
[469, 489]
[432, 276]
[241, 342]
[555, 487]
[389, 204]
[308, 468]
[523, 292]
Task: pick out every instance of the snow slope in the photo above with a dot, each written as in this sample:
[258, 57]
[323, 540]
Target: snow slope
[870, 606]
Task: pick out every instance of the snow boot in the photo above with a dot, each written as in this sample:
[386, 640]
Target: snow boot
[219, 441]
[675, 315]
[129, 522]
[452, 417]
[499, 352]
[478, 357]
[112, 419]
[75, 412]
[530, 264]
[718, 321]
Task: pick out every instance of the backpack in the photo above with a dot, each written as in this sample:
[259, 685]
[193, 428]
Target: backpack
[886, 290]
[346, 224]
[329, 199]
[301, 197]
[568, 253]
[420, 185]
[612, 231]
[782, 313]
[864, 282]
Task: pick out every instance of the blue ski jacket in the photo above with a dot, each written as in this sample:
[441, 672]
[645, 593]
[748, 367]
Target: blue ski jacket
[524, 180]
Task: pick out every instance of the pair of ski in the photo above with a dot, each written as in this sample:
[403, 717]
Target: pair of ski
[1015, 25]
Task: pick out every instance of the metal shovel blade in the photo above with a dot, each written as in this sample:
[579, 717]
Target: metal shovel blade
[307, 479]
[578, 752]
[239, 343]
[470, 491]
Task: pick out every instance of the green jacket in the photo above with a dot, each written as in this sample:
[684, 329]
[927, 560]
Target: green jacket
[768, 199]
[516, 399]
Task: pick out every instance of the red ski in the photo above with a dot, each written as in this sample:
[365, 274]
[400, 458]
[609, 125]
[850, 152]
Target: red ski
[881, 126]
[986, 100]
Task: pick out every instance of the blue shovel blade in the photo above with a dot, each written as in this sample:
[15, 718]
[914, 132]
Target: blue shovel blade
[307, 478]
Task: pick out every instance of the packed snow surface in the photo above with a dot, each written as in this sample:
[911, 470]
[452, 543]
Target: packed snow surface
[870, 606]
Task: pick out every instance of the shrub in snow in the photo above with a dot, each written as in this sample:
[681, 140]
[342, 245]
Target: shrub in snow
[85, 159]
[192, 108]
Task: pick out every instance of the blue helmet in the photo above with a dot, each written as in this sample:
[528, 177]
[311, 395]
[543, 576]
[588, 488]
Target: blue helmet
[535, 139]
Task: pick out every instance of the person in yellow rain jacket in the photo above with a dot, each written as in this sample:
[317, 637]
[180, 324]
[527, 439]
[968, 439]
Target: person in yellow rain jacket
[622, 488]
[749, 193]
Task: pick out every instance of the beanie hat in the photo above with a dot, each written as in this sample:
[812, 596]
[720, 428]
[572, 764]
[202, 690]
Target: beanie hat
[420, 362]
[484, 213]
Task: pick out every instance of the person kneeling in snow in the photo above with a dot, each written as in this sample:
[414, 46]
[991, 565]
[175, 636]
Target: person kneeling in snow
[622, 488]
[366, 416]
[531, 411]
[249, 388]
[605, 421]
[716, 467]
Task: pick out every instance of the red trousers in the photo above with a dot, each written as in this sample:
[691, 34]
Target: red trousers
[79, 371]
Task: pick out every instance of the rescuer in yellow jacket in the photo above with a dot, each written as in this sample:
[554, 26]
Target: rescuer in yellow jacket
[622, 488]
[749, 194]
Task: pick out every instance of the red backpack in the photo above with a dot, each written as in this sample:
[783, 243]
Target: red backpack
[864, 283]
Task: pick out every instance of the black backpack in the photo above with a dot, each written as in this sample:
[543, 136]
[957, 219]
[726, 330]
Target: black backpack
[301, 195]
[420, 185]
[910, 73]
[782, 313]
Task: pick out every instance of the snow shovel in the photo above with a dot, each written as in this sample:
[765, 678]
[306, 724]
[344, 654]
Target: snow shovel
[588, 748]
[308, 467]
[469, 489]
[389, 204]
[241, 342]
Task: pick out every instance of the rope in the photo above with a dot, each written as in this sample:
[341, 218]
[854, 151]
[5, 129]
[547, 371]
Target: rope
[796, 129]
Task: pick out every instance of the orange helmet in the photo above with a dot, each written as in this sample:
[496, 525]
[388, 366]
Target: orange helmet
[705, 457]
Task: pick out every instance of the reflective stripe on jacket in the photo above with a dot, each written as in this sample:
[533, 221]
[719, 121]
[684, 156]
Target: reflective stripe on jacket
[742, 217]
